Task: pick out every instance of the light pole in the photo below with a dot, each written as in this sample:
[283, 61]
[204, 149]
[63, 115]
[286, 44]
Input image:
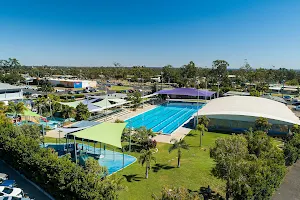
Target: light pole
[106, 99]
[75, 149]
[162, 73]
[218, 89]
[282, 87]
[197, 106]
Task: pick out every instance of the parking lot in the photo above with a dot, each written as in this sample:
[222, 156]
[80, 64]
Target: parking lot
[22, 183]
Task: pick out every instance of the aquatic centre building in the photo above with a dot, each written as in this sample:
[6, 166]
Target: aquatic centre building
[238, 114]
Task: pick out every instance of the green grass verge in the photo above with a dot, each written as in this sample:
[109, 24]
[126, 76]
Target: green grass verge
[195, 170]
[119, 88]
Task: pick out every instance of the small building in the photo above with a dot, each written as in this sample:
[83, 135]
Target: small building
[10, 92]
[238, 114]
[284, 89]
[72, 83]
[236, 93]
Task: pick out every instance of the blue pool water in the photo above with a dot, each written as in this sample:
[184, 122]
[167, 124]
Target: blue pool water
[112, 160]
[52, 122]
[165, 118]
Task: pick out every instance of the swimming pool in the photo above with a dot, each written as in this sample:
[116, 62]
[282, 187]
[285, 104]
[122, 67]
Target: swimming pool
[110, 159]
[165, 118]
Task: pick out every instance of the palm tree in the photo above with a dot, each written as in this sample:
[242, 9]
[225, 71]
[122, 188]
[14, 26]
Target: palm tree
[181, 144]
[68, 112]
[16, 108]
[40, 103]
[201, 128]
[203, 120]
[3, 107]
[145, 158]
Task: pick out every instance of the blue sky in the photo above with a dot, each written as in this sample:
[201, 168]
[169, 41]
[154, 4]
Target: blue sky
[152, 33]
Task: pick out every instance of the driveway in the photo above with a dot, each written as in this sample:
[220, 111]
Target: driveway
[290, 187]
[22, 183]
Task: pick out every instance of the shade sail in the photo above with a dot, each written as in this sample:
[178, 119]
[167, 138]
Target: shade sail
[106, 132]
[187, 92]
[70, 130]
[103, 103]
[91, 107]
[30, 113]
[84, 124]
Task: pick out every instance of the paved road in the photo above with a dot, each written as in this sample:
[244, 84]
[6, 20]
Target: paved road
[27, 187]
[290, 187]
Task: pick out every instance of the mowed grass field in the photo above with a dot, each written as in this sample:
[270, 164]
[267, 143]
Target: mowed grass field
[119, 88]
[195, 170]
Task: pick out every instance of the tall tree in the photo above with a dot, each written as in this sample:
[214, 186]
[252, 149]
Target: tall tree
[179, 145]
[146, 157]
[68, 112]
[82, 112]
[16, 108]
[45, 86]
[219, 73]
[262, 124]
[229, 154]
[201, 128]
[168, 73]
[136, 99]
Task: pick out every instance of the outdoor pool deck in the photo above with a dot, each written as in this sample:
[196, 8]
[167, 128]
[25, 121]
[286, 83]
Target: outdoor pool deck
[110, 159]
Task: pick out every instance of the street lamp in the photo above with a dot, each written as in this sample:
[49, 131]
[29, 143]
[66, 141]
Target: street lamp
[282, 87]
[161, 73]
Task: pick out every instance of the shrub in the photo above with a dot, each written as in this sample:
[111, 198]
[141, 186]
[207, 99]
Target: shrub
[59, 176]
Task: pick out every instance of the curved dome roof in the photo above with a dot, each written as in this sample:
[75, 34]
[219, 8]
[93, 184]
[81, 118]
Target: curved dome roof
[249, 106]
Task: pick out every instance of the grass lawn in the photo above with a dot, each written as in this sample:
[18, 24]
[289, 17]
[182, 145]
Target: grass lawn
[195, 170]
[119, 88]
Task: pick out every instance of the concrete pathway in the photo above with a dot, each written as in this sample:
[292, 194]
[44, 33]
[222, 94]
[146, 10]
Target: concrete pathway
[290, 187]
[181, 132]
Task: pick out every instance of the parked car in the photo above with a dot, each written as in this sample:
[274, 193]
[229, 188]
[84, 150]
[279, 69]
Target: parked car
[60, 90]
[297, 108]
[295, 100]
[35, 95]
[120, 84]
[14, 198]
[3, 176]
[86, 91]
[8, 191]
[71, 92]
[287, 98]
[8, 183]
[78, 92]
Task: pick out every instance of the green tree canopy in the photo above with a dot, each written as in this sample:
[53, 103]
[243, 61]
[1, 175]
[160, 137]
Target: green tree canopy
[82, 112]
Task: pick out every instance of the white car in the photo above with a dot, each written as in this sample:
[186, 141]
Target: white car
[13, 192]
[3, 176]
[14, 198]
[35, 95]
[297, 108]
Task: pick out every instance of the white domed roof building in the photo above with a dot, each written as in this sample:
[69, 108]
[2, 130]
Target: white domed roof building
[238, 114]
